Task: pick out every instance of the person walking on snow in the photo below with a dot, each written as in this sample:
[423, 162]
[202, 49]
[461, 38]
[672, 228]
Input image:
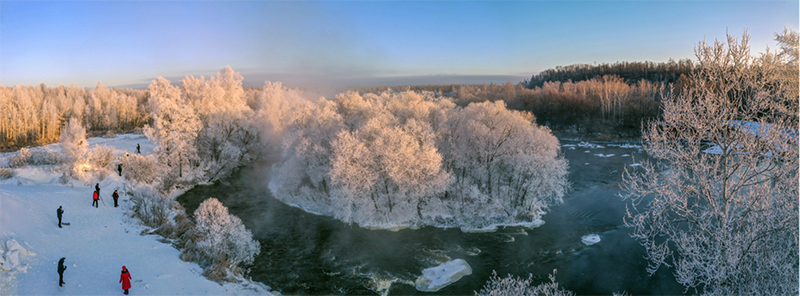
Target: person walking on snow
[137, 149]
[94, 199]
[116, 197]
[125, 279]
[97, 188]
[61, 269]
[59, 212]
[119, 169]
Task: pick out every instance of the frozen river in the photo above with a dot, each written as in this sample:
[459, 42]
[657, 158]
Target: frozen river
[304, 253]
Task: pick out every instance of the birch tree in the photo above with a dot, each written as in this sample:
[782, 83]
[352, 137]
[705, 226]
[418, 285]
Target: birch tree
[719, 204]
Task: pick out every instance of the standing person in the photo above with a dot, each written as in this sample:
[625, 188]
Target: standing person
[137, 149]
[61, 269]
[94, 199]
[115, 196]
[59, 212]
[125, 279]
[97, 188]
[119, 169]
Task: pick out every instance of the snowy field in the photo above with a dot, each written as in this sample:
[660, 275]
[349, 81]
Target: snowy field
[98, 242]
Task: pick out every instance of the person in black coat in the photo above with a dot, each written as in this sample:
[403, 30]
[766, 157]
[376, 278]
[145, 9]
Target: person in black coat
[59, 212]
[97, 188]
[137, 149]
[116, 197]
[119, 169]
[61, 269]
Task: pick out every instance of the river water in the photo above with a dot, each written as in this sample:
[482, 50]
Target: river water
[303, 253]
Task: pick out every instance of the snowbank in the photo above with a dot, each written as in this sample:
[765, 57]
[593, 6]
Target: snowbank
[435, 278]
[590, 239]
[97, 243]
[13, 260]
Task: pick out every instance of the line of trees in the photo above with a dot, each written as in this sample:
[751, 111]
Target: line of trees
[607, 104]
[631, 72]
[35, 114]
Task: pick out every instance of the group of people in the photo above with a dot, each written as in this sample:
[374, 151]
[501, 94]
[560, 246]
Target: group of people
[124, 277]
[96, 196]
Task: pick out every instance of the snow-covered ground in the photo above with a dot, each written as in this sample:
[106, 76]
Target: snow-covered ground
[96, 244]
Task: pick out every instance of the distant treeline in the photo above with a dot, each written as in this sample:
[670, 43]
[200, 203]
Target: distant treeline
[35, 114]
[631, 72]
[604, 104]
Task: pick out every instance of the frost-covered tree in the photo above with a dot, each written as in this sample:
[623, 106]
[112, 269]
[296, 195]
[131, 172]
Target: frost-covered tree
[230, 134]
[274, 103]
[390, 159]
[225, 242]
[725, 217]
[501, 159]
[515, 286]
[174, 130]
[74, 148]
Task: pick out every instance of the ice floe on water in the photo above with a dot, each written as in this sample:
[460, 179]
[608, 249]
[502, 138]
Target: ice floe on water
[493, 227]
[625, 155]
[635, 164]
[590, 145]
[435, 278]
[586, 163]
[587, 151]
[590, 239]
[626, 146]
[603, 155]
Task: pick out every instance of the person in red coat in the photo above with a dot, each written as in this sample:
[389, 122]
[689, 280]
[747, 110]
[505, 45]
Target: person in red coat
[125, 279]
[94, 199]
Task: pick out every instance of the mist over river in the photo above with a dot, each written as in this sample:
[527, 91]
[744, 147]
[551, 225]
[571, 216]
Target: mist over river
[303, 253]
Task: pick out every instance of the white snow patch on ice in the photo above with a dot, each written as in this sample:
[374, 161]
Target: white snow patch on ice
[435, 278]
[590, 239]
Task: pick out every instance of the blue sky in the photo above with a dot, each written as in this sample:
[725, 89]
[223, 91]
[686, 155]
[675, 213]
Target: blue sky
[333, 43]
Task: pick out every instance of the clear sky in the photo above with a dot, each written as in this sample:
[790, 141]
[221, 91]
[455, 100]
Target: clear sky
[314, 43]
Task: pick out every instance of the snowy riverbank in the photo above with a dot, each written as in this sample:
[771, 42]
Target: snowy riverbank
[98, 241]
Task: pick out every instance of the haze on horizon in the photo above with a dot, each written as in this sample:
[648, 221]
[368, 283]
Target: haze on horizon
[127, 44]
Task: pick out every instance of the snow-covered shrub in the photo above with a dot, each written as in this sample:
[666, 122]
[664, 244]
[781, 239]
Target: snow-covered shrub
[515, 286]
[149, 206]
[101, 157]
[27, 156]
[6, 173]
[141, 169]
[138, 131]
[224, 242]
[110, 134]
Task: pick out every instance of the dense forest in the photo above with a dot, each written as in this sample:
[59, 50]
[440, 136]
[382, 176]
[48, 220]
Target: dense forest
[631, 72]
